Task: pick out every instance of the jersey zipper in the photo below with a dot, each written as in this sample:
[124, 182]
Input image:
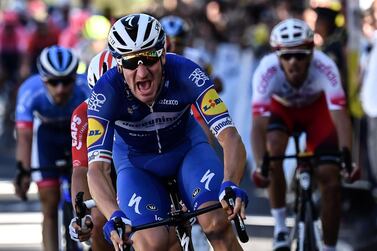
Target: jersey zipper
[157, 134]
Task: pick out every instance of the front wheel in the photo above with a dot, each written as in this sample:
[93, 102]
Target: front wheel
[310, 241]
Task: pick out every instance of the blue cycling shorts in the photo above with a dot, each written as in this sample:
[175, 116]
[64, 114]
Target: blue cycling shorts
[142, 194]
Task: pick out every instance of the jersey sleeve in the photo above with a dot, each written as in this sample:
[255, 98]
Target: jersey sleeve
[79, 130]
[205, 98]
[262, 86]
[101, 108]
[25, 105]
[332, 85]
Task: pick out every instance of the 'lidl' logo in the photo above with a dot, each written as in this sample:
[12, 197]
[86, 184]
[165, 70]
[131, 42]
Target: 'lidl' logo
[212, 103]
[95, 131]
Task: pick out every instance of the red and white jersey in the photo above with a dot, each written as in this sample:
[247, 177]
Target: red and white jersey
[269, 81]
[79, 130]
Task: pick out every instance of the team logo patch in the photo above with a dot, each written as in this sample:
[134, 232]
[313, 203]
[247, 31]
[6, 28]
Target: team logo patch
[212, 103]
[96, 101]
[198, 77]
[220, 125]
[96, 131]
[196, 192]
[151, 207]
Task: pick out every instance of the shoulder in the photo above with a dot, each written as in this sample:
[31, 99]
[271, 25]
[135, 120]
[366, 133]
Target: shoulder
[31, 88]
[324, 68]
[109, 89]
[32, 82]
[270, 60]
[320, 58]
[110, 80]
[178, 67]
[173, 59]
[80, 110]
[268, 68]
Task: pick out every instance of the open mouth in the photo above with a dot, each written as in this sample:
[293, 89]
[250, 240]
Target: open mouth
[144, 87]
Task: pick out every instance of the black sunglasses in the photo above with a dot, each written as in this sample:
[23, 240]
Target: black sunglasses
[64, 82]
[298, 56]
[147, 58]
[133, 63]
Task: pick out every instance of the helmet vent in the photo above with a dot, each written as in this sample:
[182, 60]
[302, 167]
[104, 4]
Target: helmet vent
[148, 44]
[297, 35]
[119, 38]
[147, 31]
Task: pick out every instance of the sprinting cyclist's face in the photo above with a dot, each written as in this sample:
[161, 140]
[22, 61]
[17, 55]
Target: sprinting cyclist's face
[60, 90]
[143, 74]
[295, 63]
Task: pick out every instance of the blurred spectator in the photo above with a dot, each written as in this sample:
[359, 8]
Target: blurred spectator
[13, 41]
[369, 102]
[333, 39]
[44, 33]
[93, 39]
[71, 35]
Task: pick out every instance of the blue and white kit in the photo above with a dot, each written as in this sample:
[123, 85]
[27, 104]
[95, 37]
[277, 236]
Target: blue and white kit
[150, 143]
[50, 122]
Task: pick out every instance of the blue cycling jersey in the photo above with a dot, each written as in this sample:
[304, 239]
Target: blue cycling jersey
[50, 122]
[148, 143]
[159, 127]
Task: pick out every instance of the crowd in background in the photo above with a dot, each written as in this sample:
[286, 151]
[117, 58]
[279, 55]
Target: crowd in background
[234, 35]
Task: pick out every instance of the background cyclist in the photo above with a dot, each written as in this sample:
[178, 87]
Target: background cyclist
[298, 88]
[45, 103]
[102, 62]
[146, 101]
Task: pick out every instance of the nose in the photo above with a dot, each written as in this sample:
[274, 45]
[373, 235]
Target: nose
[293, 60]
[141, 71]
[59, 88]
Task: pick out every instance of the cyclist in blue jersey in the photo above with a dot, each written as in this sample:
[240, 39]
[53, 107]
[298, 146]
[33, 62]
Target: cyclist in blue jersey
[45, 103]
[139, 116]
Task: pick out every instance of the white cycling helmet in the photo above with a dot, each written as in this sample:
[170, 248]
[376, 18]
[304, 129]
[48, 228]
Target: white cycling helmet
[134, 33]
[290, 33]
[99, 64]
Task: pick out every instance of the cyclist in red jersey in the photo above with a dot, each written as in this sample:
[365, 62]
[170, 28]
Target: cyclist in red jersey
[299, 88]
[79, 129]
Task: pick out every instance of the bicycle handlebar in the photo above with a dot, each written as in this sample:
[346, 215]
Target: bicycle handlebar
[238, 221]
[343, 157]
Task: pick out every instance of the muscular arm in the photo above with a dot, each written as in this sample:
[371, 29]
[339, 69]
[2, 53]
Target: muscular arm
[79, 183]
[101, 187]
[234, 154]
[258, 138]
[343, 127]
[23, 148]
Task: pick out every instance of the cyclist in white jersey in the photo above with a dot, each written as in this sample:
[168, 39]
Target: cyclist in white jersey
[299, 88]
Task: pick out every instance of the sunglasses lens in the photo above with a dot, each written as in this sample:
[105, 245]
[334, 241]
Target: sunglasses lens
[146, 58]
[130, 64]
[297, 56]
[56, 82]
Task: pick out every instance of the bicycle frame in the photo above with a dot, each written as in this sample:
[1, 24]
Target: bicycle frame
[307, 228]
[308, 224]
[177, 217]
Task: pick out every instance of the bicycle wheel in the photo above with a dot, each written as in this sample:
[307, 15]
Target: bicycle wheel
[310, 243]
